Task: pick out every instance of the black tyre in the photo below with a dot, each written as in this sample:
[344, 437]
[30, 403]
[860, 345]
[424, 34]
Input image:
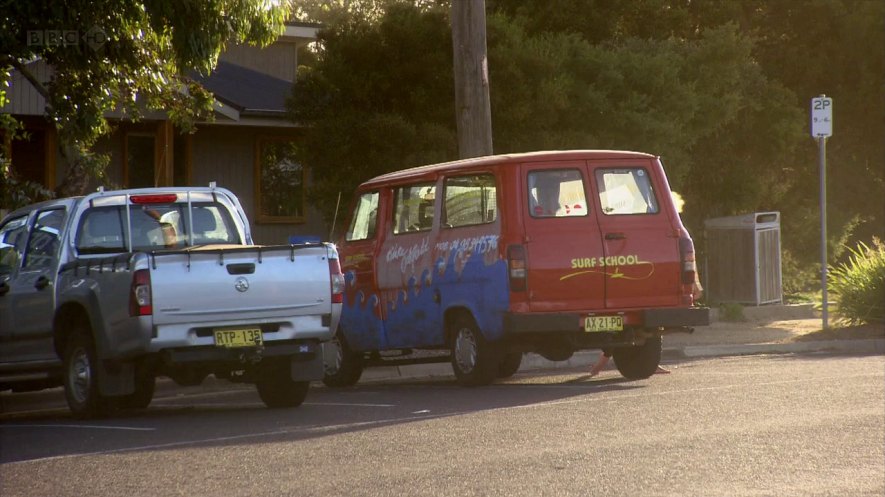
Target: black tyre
[343, 367]
[275, 385]
[474, 360]
[145, 383]
[80, 376]
[510, 364]
[638, 363]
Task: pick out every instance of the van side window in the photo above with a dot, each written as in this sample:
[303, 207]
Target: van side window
[626, 191]
[470, 200]
[413, 208]
[557, 193]
[364, 219]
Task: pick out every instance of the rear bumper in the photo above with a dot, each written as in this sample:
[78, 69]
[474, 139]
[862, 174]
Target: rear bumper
[553, 322]
[306, 356]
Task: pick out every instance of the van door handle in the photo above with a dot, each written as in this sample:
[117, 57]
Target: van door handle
[615, 236]
[41, 283]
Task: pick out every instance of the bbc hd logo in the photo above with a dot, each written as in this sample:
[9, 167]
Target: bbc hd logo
[94, 38]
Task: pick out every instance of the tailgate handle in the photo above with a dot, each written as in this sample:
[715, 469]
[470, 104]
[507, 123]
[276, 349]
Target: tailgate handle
[245, 268]
[615, 236]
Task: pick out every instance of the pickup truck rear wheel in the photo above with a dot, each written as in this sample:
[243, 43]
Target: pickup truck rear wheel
[275, 385]
[474, 360]
[343, 367]
[80, 376]
[639, 362]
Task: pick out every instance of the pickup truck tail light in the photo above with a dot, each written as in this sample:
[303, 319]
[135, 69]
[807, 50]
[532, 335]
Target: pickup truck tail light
[337, 280]
[140, 295]
[516, 268]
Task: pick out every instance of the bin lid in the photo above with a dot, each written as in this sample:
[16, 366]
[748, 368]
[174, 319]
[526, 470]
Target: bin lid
[754, 220]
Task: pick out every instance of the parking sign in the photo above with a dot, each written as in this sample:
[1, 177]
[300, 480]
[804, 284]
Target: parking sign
[821, 117]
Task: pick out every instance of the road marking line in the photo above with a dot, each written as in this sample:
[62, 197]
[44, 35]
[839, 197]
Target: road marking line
[308, 429]
[90, 427]
[342, 404]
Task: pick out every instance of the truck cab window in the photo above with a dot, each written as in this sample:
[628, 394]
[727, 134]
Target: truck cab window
[12, 244]
[44, 241]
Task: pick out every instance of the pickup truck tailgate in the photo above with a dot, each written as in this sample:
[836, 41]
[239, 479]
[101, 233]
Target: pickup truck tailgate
[237, 284]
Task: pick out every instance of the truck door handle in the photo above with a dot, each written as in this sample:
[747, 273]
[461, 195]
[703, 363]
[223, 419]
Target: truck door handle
[245, 268]
[41, 283]
[615, 236]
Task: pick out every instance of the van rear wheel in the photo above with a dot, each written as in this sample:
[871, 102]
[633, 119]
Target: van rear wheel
[342, 367]
[474, 360]
[639, 362]
[509, 364]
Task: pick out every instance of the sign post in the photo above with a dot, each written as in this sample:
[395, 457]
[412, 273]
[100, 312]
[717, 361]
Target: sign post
[822, 128]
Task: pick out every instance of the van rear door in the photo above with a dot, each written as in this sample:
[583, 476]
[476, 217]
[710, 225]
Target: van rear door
[563, 241]
[640, 243]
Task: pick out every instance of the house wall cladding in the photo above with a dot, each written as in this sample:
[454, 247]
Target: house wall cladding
[226, 155]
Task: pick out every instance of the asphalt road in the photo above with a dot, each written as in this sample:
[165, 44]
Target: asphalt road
[754, 425]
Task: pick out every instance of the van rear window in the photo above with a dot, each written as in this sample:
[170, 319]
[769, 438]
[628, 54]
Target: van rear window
[626, 191]
[557, 193]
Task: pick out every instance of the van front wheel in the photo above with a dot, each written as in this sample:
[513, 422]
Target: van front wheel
[474, 359]
[639, 362]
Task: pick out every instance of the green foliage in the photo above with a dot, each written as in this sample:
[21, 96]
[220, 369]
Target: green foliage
[720, 89]
[129, 55]
[858, 285]
[732, 313]
[380, 98]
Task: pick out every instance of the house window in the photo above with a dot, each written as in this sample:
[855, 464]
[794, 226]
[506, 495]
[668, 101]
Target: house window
[280, 182]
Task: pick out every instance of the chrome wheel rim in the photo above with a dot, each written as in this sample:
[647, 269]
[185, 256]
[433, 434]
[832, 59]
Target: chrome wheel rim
[333, 356]
[80, 376]
[465, 350]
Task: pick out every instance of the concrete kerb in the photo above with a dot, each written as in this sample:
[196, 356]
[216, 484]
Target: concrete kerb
[584, 359]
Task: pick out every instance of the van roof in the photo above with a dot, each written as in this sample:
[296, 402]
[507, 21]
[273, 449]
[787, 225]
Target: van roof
[551, 155]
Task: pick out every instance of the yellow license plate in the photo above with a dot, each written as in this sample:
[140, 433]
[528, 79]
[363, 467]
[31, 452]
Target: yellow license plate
[238, 337]
[603, 323]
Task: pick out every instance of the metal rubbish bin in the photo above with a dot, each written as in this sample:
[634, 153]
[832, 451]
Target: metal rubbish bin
[743, 262]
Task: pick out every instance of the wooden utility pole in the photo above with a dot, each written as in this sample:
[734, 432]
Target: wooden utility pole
[471, 67]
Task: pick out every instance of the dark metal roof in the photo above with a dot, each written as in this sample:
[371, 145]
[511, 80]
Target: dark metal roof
[250, 92]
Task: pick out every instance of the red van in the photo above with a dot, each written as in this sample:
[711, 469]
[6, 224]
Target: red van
[479, 261]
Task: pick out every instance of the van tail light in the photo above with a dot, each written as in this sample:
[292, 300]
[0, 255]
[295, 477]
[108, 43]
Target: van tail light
[688, 266]
[140, 296]
[337, 279]
[516, 268]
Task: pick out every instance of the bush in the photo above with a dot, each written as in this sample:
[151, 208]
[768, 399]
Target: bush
[858, 285]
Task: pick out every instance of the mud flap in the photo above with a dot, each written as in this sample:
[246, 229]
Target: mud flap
[307, 365]
[115, 379]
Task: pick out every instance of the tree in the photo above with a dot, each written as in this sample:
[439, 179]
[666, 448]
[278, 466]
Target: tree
[379, 98]
[128, 55]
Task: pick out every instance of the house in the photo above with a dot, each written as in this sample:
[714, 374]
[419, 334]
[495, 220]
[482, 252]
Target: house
[250, 147]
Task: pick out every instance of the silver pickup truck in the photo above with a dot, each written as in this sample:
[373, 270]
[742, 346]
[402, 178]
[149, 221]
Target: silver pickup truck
[104, 293]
